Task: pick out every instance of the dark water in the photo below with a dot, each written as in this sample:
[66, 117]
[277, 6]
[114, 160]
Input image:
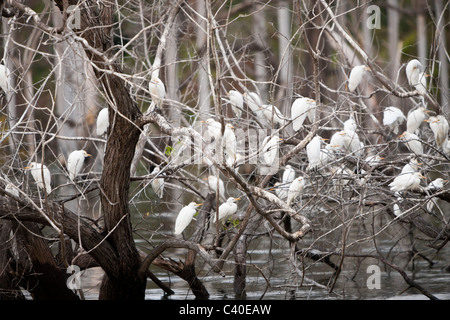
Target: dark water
[272, 277]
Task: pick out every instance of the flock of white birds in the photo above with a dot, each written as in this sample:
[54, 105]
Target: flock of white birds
[319, 153]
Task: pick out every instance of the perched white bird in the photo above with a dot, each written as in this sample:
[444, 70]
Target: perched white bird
[253, 100]
[270, 149]
[226, 209]
[288, 174]
[412, 142]
[236, 101]
[213, 182]
[436, 184]
[295, 189]
[157, 90]
[346, 141]
[413, 70]
[439, 126]
[5, 78]
[185, 217]
[230, 144]
[422, 85]
[356, 76]
[214, 128]
[415, 119]
[75, 162]
[406, 181]
[313, 152]
[12, 190]
[37, 171]
[412, 166]
[273, 115]
[102, 122]
[157, 183]
[301, 108]
[393, 117]
[396, 210]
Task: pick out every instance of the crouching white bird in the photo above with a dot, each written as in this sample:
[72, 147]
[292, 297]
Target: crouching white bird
[5, 75]
[416, 118]
[157, 91]
[236, 101]
[41, 175]
[301, 108]
[295, 189]
[356, 76]
[407, 181]
[436, 184]
[313, 152]
[102, 122]
[226, 209]
[75, 162]
[185, 217]
[413, 70]
[157, 183]
[439, 126]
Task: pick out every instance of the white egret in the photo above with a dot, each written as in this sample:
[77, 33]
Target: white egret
[356, 76]
[436, 184]
[300, 109]
[157, 183]
[295, 189]
[406, 181]
[313, 152]
[281, 190]
[415, 119]
[38, 170]
[185, 217]
[396, 210]
[412, 166]
[422, 85]
[226, 209]
[11, 189]
[214, 128]
[439, 126]
[393, 117]
[157, 90]
[288, 174]
[413, 69]
[253, 100]
[412, 142]
[236, 101]
[5, 78]
[214, 182]
[75, 162]
[102, 122]
[346, 141]
[230, 144]
[273, 114]
[270, 149]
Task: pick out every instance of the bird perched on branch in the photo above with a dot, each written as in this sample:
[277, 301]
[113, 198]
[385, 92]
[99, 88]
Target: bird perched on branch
[393, 117]
[413, 71]
[226, 209]
[102, 122]
[415, 119]
[5, 78]
[236, 101]
[41, 175]
[75, 162]
[157, 183]
[185, 217]
[406, 181]
[301, 108]
[412, 142]
[295, 189]
[356, 76]
[439, 126]
[157, 91]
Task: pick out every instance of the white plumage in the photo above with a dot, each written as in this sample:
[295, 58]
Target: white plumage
[273, 114]
[5, 78]
[236, 101]
[295, 189]
[436, 184]
[230, 144]
[406, 181]
[288, 174]
[270, 149]
[157, 90]
[213, 182]
[226, 209]
[413, 69]
[356, 76]
[185, 217]
[412, 142]
[12, 190]
[393, 117]
[300, 109]
[102, 122]
[75, 162]
[412, 166]
[37, 170]
[439, 126]
[214, 128]
[157, 183]
[415, 119]
[313, 152]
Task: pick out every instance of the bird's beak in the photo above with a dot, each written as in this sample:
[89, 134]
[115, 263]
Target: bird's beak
[236, 199]
[199, 204]
[381, 158]
[27, 168]
[427, 75]
[426, 120]
[427, 111]
[203, 121]
[445, 180]
[402, 135]
[421, 176]
[324, 139]
[205, 179]
[88, 155]
[335, 146]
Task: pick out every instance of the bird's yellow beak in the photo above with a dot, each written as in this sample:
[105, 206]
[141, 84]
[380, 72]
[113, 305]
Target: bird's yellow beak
[335, 146]
[445, 180]
[421, 176]
[236, 199]
[199, 204]
[402, 135]
[426, 120]
[27, 168]
[381, 158]
[367, 69]
[88, 155]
